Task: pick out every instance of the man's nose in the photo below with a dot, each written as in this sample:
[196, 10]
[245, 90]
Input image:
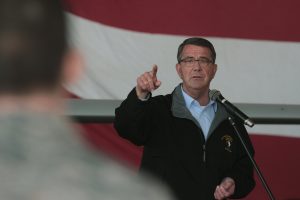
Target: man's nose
[197, 66]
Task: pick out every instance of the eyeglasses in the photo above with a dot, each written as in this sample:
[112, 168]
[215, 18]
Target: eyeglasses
[190, 62]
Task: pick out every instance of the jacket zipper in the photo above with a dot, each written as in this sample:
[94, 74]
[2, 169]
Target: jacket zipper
[204, 153]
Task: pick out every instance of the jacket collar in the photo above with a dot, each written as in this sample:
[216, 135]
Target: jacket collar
[179, 110]
[178, 107]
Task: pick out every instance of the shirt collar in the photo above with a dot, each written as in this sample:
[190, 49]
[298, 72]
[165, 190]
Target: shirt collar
[189, 101]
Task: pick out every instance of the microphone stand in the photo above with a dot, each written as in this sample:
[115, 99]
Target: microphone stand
[252, 160]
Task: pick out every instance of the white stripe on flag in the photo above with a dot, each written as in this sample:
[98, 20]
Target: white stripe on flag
[249, 71]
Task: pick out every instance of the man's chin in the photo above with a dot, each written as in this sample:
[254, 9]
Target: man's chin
[199, 87]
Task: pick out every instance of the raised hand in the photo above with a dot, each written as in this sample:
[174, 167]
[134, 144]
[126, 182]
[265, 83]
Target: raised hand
[147, 82]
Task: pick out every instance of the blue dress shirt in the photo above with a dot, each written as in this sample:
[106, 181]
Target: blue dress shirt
[203, 114]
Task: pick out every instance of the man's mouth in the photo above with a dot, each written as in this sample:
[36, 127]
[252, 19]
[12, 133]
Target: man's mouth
[197, 77]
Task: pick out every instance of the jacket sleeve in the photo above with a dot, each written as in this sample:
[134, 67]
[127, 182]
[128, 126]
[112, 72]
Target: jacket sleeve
[132, 119]
[242, 171]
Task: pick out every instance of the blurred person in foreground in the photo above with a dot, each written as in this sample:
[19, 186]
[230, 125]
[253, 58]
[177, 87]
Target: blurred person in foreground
[42, 157]
[187, 138]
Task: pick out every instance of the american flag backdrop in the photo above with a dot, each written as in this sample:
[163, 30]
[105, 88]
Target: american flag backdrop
[258, 56]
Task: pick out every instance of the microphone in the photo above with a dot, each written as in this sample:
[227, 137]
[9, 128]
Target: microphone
[215, 95]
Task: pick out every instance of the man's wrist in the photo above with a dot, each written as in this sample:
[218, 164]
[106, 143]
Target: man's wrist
[229, 179]
[145, 98]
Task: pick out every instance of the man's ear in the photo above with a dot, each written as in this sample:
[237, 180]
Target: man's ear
[178, 69]
[72, 67]
[215, 70]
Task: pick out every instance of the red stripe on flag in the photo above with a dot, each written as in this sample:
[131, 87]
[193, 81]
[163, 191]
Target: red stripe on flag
[104, 138]
[256, 19]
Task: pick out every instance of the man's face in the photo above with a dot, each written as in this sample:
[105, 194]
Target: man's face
[196, 75]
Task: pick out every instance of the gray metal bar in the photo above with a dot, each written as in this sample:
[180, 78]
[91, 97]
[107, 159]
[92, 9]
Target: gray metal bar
[102, 111]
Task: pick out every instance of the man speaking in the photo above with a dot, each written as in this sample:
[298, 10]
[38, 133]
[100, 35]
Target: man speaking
[188, 141]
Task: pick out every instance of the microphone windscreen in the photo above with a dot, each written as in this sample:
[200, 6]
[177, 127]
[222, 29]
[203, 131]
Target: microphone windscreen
[214, 94]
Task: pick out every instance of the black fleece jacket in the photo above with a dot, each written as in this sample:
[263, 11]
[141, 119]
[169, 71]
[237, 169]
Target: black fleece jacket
[175, 149]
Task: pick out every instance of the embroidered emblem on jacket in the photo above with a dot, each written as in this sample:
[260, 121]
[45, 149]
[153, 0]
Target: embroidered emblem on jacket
[227, 140]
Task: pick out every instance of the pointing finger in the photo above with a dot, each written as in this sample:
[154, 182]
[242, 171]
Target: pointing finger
[157, 83]
[154, 70]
